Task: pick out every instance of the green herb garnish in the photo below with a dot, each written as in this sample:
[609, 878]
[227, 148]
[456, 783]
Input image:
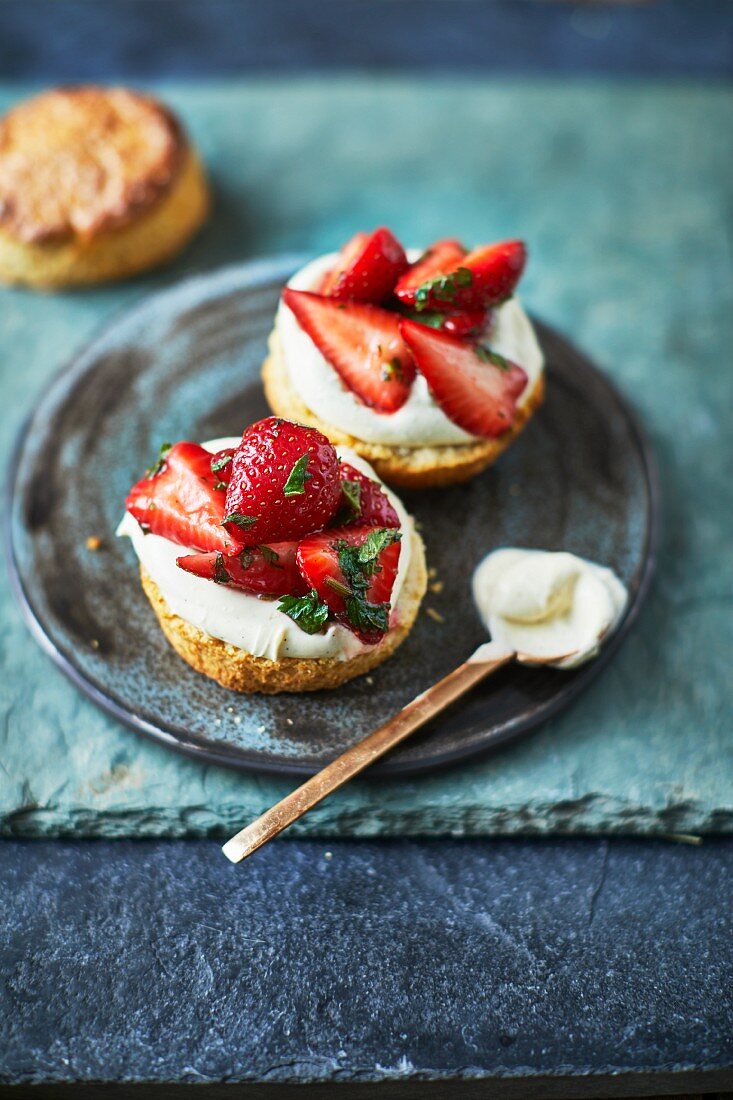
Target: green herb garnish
[245, 522]
[295, 485]
[221, 463]
[160, 460]
[486, 355]
[392, 371]
[358, 565]
[309, 611]
[271, 556]
[220, 573]
[351, 508]
[220, 485]
[245, 558]
[443, 288]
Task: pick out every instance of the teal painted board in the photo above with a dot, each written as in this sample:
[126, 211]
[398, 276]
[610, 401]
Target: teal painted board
[623, 192]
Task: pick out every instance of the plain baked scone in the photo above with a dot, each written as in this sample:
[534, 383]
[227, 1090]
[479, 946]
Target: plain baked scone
[240, 671]
[96, 184]
[407, 467]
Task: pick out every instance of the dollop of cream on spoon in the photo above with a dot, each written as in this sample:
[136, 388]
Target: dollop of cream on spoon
[541, 603]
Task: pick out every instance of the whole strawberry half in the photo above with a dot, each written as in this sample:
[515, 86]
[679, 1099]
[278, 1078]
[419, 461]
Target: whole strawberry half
[362, 343]
[367, 269]
[475, 387]
[364, 501]
[180, 500]
[262, 570]
[353, 570]
[284, 483]
[479, 280]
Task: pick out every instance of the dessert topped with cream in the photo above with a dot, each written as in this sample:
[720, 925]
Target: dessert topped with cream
[542, 604]
[273, 543]
[411, 350]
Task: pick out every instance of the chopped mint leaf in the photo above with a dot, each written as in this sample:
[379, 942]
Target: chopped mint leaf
[245, 558]
[295, 485]
[309, 611]
[443, 288]
[358, 564]
[271, 556]
[220, 485]
[245, 522]
[351, 490]
[486, 355]
[376, 541]
[220, 573]
[392, 371]
[431, 318]
[220, 463]
[160, 460]
[367, 617]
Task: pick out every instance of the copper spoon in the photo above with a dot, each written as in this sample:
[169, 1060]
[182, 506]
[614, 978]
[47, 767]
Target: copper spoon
[487, 659]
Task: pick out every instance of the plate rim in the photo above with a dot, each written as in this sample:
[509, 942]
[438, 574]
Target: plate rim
[242, 760]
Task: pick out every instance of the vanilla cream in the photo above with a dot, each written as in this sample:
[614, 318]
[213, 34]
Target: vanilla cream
[240, 618]
[542, 604]
[420, 422]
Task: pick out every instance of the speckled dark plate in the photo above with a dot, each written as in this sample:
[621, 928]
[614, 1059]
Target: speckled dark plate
[185, 364]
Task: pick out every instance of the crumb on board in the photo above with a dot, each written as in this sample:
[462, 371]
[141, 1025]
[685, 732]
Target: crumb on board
[93, 542]
[435, 615]
[432, 572]
[370, 680]
[436, 587]
[289, 721]
[94, 643]
[328, 856]
[260, 729]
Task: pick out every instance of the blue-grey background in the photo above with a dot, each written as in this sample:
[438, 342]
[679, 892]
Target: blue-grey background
[488, 967]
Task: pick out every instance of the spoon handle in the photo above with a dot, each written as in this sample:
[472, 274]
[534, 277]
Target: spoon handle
[486, 660]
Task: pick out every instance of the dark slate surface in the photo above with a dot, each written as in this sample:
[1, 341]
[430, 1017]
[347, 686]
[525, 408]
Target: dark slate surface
[78, 39]
[158, 961]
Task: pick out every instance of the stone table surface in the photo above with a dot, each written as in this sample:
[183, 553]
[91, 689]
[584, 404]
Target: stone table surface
[501, 968]
[621, 191]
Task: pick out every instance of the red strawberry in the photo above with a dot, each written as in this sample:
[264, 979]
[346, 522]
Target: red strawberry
[221, 466]
[442, 256]
[179, 500]
[471, 322]
[363, 345]
[481, 279]
[476, 388]
[353, 570]
[264, 570]
[367, 269]
[284, 483]
[373, 508]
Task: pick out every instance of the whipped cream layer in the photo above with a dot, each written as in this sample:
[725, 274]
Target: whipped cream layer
[240, 618]
[542, 604]
[420, 422]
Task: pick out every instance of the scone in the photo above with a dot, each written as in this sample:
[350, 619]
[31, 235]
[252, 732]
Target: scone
[425, 365]
[95, 184]
[274, 563]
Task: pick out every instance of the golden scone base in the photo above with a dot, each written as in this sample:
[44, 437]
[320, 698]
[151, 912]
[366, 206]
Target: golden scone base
[237, 670]
[407, 467]
[151, 238]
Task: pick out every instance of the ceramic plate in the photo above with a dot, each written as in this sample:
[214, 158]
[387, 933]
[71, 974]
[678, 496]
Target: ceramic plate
[185, 365]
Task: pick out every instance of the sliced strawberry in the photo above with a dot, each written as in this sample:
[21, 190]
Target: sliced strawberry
[263, 570]
[476, 388]
[180, 501]
[353, 570]
[467, 322]
[442, 256]
[364, 500]
[284, 483]
[367, 269]
[481, 279]
[363, 345]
